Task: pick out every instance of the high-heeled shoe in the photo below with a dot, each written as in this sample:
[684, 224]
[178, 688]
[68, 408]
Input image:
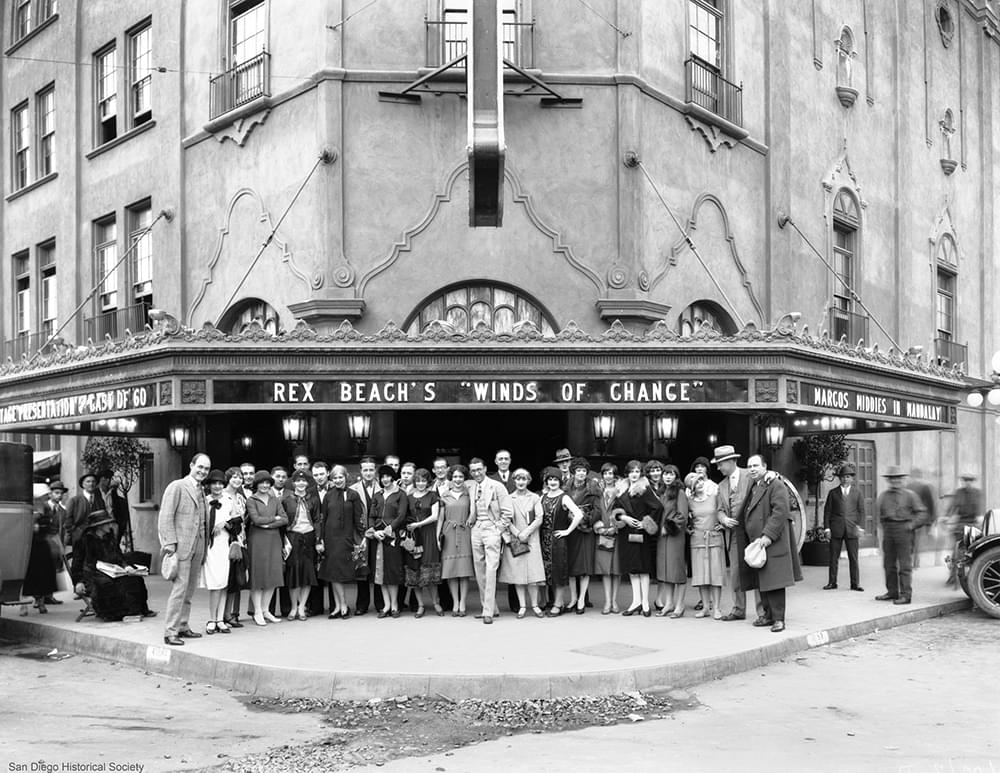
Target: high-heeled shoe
[676, 613]
[663, 612]
[521, 613]
[210, 627]
[555, 611]
[606, 611]
[259, 620]
[271, 618]
[419, 613]
[438, 610]
[537, 612]
[222, 627]
[701, 613]
[647, 612]
[630, 611]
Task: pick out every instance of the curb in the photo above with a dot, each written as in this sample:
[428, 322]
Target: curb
[272, 681]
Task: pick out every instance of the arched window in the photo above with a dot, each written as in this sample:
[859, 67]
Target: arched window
[700, 312]
[845, 53]
[846, 229]
[463, 307]
[947, 267]
[239, 317]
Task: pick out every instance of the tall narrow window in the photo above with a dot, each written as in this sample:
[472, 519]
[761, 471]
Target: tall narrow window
[49, 297]
[140, 75]
[455, 28]
[106, 68]
[945, 305]
[46, 106]
[140, 216]
[22, 18]
[845, 322]
[20, 142]
[248, 43]
[105, 257]
[46, 8]
[22, 295]
[705, 29]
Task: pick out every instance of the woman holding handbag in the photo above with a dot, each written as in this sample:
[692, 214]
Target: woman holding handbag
[238, 580]
[525, 571]
[707, 560]
[634, 507]
[391, 509]
[423, 564]
[585, 493]
[264, 546]
[302, 511]
[606, 561]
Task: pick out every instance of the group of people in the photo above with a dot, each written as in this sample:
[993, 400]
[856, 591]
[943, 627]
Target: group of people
[71, 539]
[413, 537]
[905, 510]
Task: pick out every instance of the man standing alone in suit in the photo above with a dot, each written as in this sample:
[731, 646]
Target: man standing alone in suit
[732, 494]
[843, 517]
[182, 532]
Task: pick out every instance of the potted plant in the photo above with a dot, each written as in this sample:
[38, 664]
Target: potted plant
[820, 456]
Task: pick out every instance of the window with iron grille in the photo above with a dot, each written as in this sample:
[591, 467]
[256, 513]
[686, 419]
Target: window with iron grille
[498, 307]
[20, 143]
[106, 73]
[140, 75]
[45, 104]
[141, 241]
[105, 258]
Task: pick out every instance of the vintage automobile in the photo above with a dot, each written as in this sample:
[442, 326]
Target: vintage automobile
[977, 561]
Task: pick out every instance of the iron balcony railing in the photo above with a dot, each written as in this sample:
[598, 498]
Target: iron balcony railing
[114, 323]
[27, 344]
[847, 323]
[446, 40]
[705, 87]
[949, 353]
[244, 83]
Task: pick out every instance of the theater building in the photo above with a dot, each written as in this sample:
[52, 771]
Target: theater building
[246, 227]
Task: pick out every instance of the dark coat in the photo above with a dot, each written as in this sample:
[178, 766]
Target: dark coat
[342, 523]
[844, 516]
[509, 483]
[766, 512]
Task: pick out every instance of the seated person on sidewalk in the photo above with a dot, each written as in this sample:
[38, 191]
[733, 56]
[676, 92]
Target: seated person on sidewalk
[110, 598]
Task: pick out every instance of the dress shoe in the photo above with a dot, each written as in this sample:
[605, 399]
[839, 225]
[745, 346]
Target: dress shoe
[234, 622]
[271, 618]
[730, 616]
[149, 613]
[174, 641]
[394, 613]
[762, 622]
[778, 627]
[52, 600]
[383, 614]
[419, 613]
[857, 588]
[886, 597]
[581, 610]
[189, 634]
[647, 612]
[333, 616]
[901, 600]
[359, 612]
[630, 612]
[830, 586]
[488, 620]
[698, 606]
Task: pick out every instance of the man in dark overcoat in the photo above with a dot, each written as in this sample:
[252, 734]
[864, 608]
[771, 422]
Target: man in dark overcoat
[843, 516]
[766, 516]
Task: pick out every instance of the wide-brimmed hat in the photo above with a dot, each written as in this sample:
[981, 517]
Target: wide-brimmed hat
[724, 452]
[578, 461]
[562, 455]
[846, 469]
[217, 476]
[261, 477]
[894, 471]
[97, 518]
[968, 476]
[57, 484]
[86, 475]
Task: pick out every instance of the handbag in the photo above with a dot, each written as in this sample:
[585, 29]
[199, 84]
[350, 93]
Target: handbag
[168, 566]
[605, 542]
[636, 538]
[235, 551]
[360, 557]
[755, 555]
[518, 546]
[649, 525]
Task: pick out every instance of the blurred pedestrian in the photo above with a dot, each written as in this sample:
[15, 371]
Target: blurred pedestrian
[965, 508]
[925, 493]
[899, 512]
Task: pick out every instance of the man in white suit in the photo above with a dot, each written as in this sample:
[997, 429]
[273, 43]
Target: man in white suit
[182, 528]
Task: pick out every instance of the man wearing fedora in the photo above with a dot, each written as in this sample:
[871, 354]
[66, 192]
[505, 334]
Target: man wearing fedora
[182, 528]
[964, 509]
[55, 511]
[900, 512]
[80, 506]
[843, 516]
[732, 494]
[562, 460]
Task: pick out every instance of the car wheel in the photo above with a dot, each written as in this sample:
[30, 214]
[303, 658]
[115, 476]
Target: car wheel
[984, 581]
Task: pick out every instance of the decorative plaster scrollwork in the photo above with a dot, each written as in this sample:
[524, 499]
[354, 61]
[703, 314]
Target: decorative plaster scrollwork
[193, 392]
[344, 275]
[618, 277]
[520, 198]
[166, 393]
[239, 131]
[766, 390]
[712, 135]
[617, 332]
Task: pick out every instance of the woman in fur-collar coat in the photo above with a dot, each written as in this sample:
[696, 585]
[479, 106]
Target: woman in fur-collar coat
[636, 545]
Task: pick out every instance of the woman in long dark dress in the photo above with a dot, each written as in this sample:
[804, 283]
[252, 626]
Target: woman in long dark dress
[341, 530]
[424, 570]
[264, 545]
[390, 512]
[302, 511]
[585, 493]
[606, 546]
[671, 564]
[110, 598]
[565, 517]
[40, 576]
[637, 547]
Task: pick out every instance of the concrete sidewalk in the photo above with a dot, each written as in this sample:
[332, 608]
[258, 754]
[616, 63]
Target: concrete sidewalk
[587, 654]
